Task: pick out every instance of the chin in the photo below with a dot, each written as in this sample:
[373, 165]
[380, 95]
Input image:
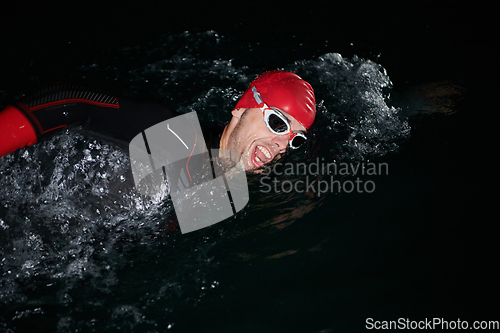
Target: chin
[252, 166]
[249, 166]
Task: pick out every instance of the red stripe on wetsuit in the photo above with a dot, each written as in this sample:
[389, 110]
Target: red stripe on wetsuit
[26, 122]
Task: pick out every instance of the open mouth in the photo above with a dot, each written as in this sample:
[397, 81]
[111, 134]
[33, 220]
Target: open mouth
[261, 155]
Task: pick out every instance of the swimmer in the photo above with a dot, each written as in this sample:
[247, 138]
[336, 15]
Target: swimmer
[273, 115]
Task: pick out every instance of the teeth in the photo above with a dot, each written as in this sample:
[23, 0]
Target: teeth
[257, 159]
[265, 152]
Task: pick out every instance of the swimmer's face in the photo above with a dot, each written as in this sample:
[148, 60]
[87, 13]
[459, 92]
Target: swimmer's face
[251, 137]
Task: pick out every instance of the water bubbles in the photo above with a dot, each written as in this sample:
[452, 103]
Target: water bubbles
[68, 218]
[26, 155]
[3, 225]
[353, 99]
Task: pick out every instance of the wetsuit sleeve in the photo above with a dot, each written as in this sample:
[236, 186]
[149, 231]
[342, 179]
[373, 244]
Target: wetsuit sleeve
[16, 131]
[60, 105]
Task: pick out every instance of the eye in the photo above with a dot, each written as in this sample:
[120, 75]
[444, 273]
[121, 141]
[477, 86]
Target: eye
[298, 141]
[277, 123]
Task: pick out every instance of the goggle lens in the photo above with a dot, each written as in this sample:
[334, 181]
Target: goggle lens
[277, 124]
[297, 141]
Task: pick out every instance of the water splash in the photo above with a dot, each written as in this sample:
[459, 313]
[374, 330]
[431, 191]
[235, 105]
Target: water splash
[72, 228]
[354, 103]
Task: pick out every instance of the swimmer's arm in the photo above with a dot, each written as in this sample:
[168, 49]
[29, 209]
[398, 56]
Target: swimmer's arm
[16, 131]
[61, 105]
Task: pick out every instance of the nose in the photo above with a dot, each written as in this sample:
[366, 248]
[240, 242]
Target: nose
[281, 142]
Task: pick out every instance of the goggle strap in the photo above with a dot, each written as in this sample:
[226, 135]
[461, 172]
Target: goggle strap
[256, 95]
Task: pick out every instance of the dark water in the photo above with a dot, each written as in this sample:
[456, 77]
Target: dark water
[82, 251]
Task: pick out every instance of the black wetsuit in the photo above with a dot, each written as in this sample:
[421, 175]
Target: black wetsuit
[118, 119]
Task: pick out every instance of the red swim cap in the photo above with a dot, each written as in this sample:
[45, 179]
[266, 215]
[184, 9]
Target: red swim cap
[283, 90]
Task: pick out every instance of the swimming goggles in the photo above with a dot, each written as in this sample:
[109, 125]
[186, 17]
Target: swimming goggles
[278, 123]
